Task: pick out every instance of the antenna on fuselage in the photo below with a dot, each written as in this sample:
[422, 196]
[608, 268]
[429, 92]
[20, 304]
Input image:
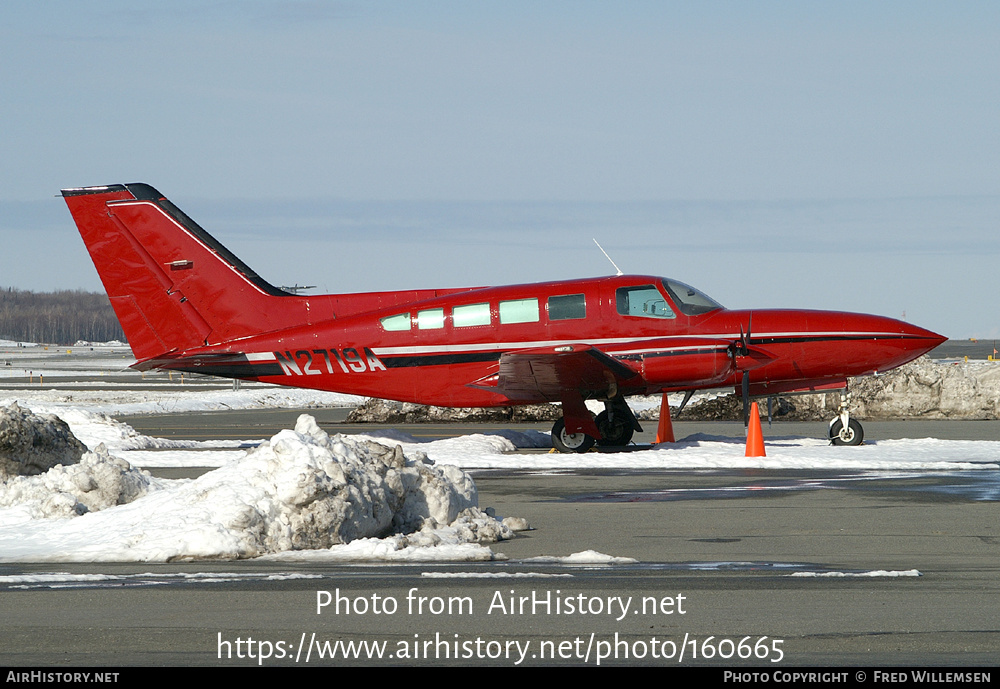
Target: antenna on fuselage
[609, 258]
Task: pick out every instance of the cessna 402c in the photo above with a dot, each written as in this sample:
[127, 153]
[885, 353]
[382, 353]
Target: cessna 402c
[186, 303]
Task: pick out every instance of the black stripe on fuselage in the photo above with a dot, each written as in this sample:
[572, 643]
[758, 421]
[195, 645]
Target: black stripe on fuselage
[828, 338]
[612, 362]
[224, 367]
[413, 361]
[674, 352]
[439, 359]
[776, 340]
[233, 371]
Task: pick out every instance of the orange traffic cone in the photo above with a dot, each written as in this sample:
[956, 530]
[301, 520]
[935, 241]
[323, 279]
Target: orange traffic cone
[665, 431]
[755, 438]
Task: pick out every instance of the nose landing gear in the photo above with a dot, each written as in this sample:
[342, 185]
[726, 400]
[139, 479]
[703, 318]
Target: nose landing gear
[843, 429]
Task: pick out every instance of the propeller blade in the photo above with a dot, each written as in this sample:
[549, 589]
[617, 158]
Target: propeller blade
[746, 399]
[687, 398]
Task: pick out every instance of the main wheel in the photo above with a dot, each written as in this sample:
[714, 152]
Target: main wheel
[570, 442]
[614, 433]
[852, 435]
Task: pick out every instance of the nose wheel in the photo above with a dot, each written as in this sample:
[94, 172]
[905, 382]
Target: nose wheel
[852, 434]
[843, 429]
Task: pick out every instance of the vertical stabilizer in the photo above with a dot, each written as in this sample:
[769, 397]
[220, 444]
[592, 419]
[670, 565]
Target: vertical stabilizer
[172, 285]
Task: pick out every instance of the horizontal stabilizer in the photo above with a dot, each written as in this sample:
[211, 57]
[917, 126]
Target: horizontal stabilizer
[223, 364]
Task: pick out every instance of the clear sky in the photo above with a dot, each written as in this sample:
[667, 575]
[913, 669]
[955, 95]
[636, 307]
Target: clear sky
[838, 155]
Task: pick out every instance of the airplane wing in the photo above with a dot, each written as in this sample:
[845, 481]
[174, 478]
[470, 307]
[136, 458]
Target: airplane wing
[548, 373]
[568, 374]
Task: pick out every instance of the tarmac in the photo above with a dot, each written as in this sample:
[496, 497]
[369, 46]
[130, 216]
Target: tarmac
[727, 568]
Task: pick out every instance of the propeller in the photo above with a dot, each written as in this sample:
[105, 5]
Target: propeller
[741, 347]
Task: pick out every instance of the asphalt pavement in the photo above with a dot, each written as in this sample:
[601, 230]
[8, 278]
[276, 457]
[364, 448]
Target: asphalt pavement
[732, 568]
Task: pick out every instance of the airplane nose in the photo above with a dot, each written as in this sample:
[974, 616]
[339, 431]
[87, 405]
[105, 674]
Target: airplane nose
[902, 342]
[847, 344]
[921, 339]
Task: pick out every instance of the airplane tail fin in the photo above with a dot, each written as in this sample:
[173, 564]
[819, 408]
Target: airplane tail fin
[172, 285]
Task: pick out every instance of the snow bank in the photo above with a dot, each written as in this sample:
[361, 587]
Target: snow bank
[922, 389]
[931, 389]
[97, 482]
[170, 400]
[301, 490]
[389, 411]
[31, 443]
[96, 428]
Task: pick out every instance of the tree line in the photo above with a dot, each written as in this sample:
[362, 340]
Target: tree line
[62, 317]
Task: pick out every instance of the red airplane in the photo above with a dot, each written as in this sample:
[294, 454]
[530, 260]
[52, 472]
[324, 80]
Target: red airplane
[186, 303]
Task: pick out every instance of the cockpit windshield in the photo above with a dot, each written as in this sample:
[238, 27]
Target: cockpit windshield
[690, 301]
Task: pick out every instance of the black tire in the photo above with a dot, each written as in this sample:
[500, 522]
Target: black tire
[853, 435]
[570, 442]
[614, 434]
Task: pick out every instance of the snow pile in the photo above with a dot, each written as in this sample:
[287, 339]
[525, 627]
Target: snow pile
[922, 389]
[926, 388]
[301, 490]
[584, 557]
[171, 400]
[463, 540]
[31, 443]
[97, 482]
[310, 490]
[376, 410]
[870, 574]
[95, 428]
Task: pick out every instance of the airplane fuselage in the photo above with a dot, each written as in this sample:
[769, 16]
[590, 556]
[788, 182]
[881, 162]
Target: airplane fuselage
[187, 303]
[443, 350]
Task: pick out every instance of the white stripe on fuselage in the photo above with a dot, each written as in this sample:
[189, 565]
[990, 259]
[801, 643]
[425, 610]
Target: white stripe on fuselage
[726, 338]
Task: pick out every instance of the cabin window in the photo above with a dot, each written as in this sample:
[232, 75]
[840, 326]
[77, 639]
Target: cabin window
[471, 314]
[567, 306]
[430, 319]
[644, 301]
[519, 311]
[401, 321]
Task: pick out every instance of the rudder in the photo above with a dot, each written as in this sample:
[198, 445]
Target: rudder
[171, 284]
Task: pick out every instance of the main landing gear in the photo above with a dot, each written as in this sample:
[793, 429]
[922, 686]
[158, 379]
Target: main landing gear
[843, 429]
[616, 425]
[570, 442]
